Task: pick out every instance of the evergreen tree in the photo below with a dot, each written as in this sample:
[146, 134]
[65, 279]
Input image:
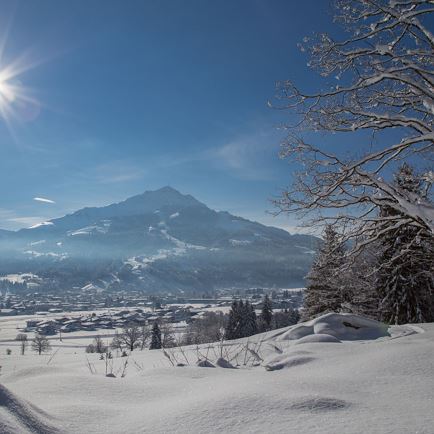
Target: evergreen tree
[242, 320]
[232, 325]
[325, 291]
[405, 278]
[285, 318]
[155, 337]
[361, 296]
[266, 314]
[251, 324]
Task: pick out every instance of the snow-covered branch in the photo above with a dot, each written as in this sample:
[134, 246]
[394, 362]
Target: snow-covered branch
[379, 79]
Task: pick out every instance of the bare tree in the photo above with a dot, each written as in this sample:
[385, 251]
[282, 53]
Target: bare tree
[130, 337]
[117, 343]
[209, 328]
[145, 335]
[167, 335]
[40, 344]
[22, 339]
[97, 346]
[380, 80]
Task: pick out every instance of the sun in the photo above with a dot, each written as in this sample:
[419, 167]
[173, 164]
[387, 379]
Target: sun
[16, 102]
[7, 94]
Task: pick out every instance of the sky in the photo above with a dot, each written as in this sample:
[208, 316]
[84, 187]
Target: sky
[118, 97]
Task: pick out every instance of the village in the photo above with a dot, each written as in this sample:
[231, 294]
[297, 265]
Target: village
[54, 314]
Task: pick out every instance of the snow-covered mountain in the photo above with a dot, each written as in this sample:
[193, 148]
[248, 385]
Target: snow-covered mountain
[158, 240]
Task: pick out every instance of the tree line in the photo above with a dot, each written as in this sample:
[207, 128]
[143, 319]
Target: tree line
[244, 322]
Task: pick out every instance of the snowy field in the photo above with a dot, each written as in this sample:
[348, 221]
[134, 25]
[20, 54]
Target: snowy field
[10, 326]
[338, 374]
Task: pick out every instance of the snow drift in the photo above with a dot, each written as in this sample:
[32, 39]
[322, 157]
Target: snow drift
[341, 326]
[19, 416]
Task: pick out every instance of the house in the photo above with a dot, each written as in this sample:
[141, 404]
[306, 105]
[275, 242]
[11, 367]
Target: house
[32, 323]
[71, 326]
[7, 312]
[47, 328]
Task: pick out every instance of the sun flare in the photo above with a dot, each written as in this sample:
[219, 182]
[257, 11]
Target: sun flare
[16, 102]
[7, 94]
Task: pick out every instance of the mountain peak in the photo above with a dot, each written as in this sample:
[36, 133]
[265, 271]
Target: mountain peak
[166, 189]
[163, 196]
[143, 203]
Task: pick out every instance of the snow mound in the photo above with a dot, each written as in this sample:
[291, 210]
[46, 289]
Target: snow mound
[19, 416]
[275, 348]
[320, 404]
[342, 326]
[321, 338]
[297, 332]
[286, 361]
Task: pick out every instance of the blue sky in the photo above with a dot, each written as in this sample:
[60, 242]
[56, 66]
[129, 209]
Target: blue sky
[128, 96]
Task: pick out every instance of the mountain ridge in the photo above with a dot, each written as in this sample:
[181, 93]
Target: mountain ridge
[160, 240]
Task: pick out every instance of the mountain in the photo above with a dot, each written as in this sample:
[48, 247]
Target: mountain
[158, 241]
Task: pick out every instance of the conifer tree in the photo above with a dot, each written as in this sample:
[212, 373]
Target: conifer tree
[242, 320]
[266, 314]
[285, 318]
[324, 291]
[405, 277]
[251, 325]
[231, 327]
[155, 337]
[361, 296]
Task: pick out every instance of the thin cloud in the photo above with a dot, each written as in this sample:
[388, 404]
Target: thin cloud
[43, 199]
[248, 157]
[26, 221]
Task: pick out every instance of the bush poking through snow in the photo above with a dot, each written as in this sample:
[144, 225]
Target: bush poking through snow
[204, 364]
[223, 363]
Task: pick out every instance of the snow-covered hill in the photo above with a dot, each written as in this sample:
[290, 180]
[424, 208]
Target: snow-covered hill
[159, 240]
[376, 380]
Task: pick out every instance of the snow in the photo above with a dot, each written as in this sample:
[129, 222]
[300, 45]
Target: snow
[91, 287]
[35, 243]
[37, 254]
[20, 277]
[180, 245]
[306, 250]
[89, 230]
[340, 326]
[38, 225]
[373, 385]
[17, 415]
[240, 242]
[321, 338]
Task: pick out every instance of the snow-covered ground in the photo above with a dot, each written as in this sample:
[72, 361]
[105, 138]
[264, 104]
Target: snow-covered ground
[338, 374]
